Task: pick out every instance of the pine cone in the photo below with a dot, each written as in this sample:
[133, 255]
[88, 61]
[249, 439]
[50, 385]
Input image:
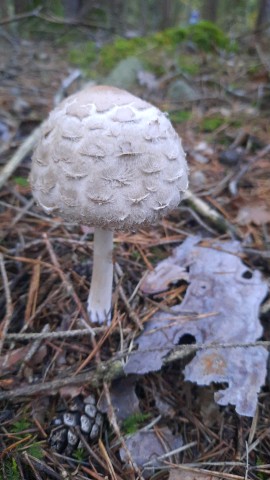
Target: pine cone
[82, 413]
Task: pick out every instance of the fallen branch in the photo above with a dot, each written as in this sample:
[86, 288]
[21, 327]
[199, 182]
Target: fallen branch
[48, 17]
[112, 370]
[215, 219]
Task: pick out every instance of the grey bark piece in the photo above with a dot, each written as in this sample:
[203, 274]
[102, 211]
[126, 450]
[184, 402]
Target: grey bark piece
[221, 306]
[147, 446]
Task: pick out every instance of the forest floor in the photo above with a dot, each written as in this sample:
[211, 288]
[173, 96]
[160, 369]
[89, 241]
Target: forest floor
[46, 267]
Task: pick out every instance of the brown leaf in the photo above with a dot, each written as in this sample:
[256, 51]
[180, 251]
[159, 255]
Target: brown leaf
[257, 214]
[14, 357]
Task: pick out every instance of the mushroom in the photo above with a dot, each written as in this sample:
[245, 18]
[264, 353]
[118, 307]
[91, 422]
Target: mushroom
[110, 160]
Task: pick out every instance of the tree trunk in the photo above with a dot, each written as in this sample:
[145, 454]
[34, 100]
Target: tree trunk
[264, 14]
[210, 10]
[167, 19]
[22, 6]
[71, 8]
[4, 9]
[117, 19]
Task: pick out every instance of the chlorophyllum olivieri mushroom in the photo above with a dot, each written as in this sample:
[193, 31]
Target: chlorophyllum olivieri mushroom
[110, 160]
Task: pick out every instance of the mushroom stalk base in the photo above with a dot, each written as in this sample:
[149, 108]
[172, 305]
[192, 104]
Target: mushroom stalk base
[100, 296]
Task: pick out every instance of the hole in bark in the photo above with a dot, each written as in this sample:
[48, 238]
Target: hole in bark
[247, 274]
[187, 339]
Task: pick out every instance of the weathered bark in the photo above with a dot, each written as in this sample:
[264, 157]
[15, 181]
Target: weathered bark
[263, 17]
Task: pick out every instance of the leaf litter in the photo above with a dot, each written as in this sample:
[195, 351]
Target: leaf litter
[46, 299]
[221, 305]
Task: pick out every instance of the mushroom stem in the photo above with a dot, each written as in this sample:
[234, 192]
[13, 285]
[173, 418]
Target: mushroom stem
[100, 295]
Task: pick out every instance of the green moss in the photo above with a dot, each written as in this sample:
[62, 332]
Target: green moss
[35, 451]
[208, 36]
[122, 48]
[21, 181]
[83, 56]
[20, 426]
[205, 35]
[189, 64]
[179, 116]
[11, 470]
[169, 37]
[133, 423]
[211, 124]
[79, 454]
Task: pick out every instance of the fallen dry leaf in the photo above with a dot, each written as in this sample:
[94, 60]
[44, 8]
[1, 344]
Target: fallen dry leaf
[12, 358]
[257, 214]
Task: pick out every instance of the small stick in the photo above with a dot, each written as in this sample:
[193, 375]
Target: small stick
[113, 369]
[234, 183]
[69, 288]
[132, 314]
[113, 421]
[59, 334]
[23, 150]
[33, 349]
[9, 306]
[215, 218]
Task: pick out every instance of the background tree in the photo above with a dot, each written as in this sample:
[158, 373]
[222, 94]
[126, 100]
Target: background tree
[263, 17]
[209, 10]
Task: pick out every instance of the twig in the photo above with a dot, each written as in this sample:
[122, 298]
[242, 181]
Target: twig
[20, 16]
[169, 454]
[9, 306]
[86, 445]
[65, 84]
[114, 424]
[54, 335]
[216, 219]
[23, 150]
[107, 459]
[132, 314]
[68, 286]
[36, 13]
[113, 369]
[234, 183]
[29, 143]
[199, 472]
[198, 219]
[33, 348]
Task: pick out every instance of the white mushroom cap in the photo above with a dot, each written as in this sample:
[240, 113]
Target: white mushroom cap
[106, 158]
